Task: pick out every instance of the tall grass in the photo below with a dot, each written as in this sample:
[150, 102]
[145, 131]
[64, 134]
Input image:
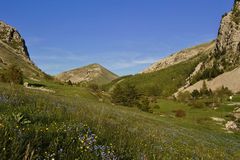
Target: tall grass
[63, 127]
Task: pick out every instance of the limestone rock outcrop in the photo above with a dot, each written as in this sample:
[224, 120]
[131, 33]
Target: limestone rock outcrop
[226, 55]
[12, 38]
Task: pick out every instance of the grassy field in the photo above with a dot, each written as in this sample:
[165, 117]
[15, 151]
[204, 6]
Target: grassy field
[73, 124]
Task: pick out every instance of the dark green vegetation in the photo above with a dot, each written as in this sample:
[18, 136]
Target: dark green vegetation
[40, 124]
[208, 73]
[205, 97]
[164, 82]
[128, 95]
[12, 75]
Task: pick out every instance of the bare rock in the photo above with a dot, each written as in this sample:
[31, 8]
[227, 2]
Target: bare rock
[12, 37]
[218, 119]
[231, 125]
[226, 55]
[25, 84]
[228, 79]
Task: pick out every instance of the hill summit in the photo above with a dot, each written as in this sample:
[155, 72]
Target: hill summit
[93, 73]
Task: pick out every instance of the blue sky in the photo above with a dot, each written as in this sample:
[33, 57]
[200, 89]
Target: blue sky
[123, 35]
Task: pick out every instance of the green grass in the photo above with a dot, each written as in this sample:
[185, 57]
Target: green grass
[164, 82]
[9, 56]
[195, 117]
[131, 133]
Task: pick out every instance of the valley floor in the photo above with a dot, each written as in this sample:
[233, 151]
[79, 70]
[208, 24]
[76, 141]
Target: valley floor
[32, 124]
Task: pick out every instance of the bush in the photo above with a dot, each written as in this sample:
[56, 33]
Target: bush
[180, 113]
[69, 82]
[94, 87]
[126, 95]
[223, 93]
[198, 104]
[195, 94]
[156, 106]
[144, 104]
[204, 91]
[13, 75]
[184, 97]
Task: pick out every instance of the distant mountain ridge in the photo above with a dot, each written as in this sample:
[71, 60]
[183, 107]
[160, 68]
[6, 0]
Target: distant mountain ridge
[93, 73]
[181, 56]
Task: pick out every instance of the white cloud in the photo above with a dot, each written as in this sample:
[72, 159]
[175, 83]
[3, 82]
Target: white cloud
[146, 61]
[133, 63]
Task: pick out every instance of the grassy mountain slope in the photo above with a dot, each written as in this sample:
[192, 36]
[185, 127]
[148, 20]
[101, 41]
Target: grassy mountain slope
[8, 56]
[181, 56]
[93, 73]
[13, 51]
[167, 79]
[163, 82]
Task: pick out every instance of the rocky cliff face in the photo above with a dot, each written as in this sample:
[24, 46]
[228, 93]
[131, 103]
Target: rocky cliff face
[222, 66]
[13, 51]
[12, 38]
[226, 55]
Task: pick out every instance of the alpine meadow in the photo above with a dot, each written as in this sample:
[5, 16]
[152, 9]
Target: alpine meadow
[96, 95]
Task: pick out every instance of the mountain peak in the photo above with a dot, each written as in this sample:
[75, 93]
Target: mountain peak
[95, 65]
[10, 36]
[92, 73]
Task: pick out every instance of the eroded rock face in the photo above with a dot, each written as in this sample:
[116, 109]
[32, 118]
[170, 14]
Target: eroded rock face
[11, 36]
[227, 51]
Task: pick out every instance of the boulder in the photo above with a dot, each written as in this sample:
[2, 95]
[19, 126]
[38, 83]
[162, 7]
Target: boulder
[231, 125]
